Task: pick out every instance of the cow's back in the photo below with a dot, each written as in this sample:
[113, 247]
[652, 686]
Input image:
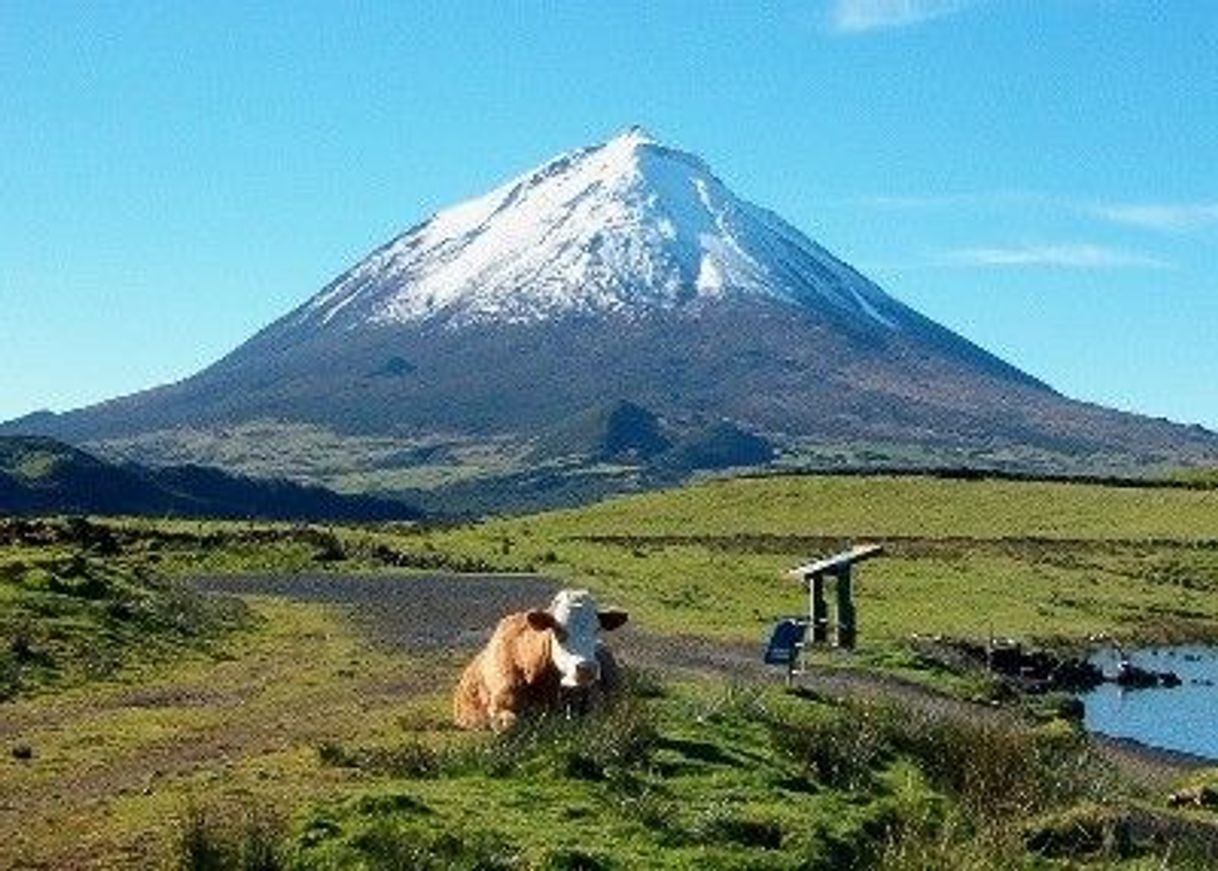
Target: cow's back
[470, 700]
[513, 672]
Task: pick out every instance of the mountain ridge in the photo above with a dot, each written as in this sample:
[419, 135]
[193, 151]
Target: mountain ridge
[39, 475]
[629, 272]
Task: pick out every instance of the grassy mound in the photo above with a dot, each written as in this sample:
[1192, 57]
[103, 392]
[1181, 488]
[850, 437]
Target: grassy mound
[70, 614]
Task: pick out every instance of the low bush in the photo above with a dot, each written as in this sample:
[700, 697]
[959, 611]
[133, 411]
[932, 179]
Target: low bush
[1085, 831]
[574, 860]
[841, 747]
[721, 823]
[413, 759]
[999, 770]
[243, 839]
[392, 843]
[995, 769]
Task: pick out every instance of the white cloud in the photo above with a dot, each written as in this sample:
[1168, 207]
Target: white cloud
[1070, 256]
[860, 16]
[975, 200]
[1153, 216]
[1161, 216]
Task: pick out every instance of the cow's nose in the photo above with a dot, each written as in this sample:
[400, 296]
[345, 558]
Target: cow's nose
[586, 672]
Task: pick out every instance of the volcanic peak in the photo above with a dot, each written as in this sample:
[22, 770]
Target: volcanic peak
[625, 226]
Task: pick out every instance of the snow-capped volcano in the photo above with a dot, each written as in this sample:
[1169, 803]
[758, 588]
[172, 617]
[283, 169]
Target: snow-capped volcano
[616, 227]
[627, 275]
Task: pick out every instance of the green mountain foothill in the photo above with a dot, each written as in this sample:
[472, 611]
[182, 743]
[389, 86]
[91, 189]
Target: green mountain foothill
[43, 476]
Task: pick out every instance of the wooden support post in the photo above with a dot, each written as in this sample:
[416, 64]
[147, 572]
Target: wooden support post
[846, 629]
[820, 610]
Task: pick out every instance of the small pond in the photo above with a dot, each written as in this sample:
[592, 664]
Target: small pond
[1183, 718]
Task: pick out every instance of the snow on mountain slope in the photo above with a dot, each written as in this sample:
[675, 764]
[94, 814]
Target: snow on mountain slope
[628, 224]
[627, 272]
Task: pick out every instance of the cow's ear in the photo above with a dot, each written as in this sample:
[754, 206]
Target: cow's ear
[611, 618]
[541, 620]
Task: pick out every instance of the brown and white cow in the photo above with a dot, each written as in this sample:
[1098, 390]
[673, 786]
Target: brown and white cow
[534, 657]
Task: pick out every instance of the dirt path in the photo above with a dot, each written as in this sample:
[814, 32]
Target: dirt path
[409, 613]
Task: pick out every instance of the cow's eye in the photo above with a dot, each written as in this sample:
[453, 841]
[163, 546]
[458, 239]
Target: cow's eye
[559, 632]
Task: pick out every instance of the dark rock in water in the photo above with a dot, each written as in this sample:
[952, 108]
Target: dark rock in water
[1030, 671]
[1076, 675]
[1072, 708]
[1133, 677]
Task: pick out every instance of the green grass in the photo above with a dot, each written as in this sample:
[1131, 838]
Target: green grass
[122, 761]
[292, 740]
[862, 507]
[68, 619]
[1046, 561]
[729, 777]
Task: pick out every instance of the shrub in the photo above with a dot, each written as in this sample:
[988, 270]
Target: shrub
[574, 860]
[1088, 830]
[994, 768]
[23, 752]
[248, 839]
[601, 745]
[737, 703]
[605, 744]
[10, 677]
[329, 548]
[21, 645]
[200, 846]
[80, 582]
[392, 803]
[642, 683]
[838, 746]
[410, 759]
[1001, 769]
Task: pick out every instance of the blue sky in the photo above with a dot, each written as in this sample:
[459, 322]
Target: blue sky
[1039, 175]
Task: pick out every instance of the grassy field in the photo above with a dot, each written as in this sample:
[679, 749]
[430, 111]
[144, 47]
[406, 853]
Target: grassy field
[121, 761]
[1038, 561]
[275, 734]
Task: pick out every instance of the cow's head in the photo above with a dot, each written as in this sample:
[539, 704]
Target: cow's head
[576, 621]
